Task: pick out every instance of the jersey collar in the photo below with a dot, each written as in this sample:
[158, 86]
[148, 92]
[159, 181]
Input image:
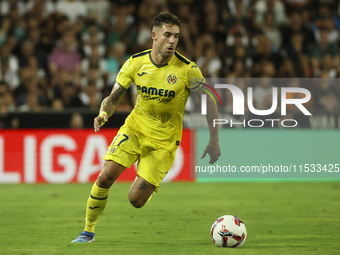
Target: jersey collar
[158, 66]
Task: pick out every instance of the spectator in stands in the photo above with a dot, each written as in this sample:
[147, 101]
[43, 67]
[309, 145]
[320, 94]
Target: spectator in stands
[93, 75]
[115, 60]
[99, 9]
[296, 25]
[32, 63]
[34, 35]
[144, 40]
[6, 99]
[62, 25]
[32, 22]
[13, 44]
[19, 29]
[326, 20]
[204, 43]
[306, 66]
[211, 25]
[59, 82]
[30, 86]
[57, 105]
[9, 67]
[239, 70]
[210, 63]
[65, 57]
[120, 30]
[72, 9]
[264, 52]
[3, 104]
[48, 33]
[92, 30]
[238, 13]
[94, 44]
[4, 29]
[238, 53]
[317, 50]
[49, 8]
[93, 102]
[327, 67]
[8, 76]
[69, 96]
[31, 103]
[27, 51]
[93, 59]
[276, 6]
[91, 96]
[77, 121]
[262, 97]
[270, 29]
[287, 69]
[295, 48]
[327, 95]
[238, 30]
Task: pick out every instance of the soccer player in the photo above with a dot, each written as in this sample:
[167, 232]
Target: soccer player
[153, 130]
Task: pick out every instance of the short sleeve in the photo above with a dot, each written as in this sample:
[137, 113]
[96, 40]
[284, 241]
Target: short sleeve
[195, 77]
[124, 76]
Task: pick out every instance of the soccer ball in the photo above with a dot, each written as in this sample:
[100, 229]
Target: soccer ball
[228, 231]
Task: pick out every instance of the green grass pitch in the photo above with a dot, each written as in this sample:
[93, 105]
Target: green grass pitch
[281, 218]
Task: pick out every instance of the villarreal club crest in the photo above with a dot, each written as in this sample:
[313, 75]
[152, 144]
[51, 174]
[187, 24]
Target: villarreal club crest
[172, 79]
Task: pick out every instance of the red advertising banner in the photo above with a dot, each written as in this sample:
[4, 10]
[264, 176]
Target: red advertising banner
[63, 156]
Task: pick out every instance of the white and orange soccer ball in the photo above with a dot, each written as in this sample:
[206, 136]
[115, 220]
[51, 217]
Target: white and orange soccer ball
[228, 231]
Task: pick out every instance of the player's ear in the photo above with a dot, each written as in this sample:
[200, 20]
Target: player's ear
[154, 35]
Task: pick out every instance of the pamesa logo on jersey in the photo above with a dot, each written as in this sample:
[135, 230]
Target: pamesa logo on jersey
[152, 91]
[171, 79]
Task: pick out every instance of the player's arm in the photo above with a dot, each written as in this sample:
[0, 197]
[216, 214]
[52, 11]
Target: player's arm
[195, 79]
[213, 147]
[108, 106]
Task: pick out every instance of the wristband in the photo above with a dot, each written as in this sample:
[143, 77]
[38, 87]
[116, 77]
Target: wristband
[101, 114]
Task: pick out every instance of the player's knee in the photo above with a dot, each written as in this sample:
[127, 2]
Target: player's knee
[104, 181]
[136, 200]
[138, 203]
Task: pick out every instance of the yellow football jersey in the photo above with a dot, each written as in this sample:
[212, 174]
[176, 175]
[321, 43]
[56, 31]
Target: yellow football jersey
[163, 91]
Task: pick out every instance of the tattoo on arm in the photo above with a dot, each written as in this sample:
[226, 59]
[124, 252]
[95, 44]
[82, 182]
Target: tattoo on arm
[110, 103]
[143, 185]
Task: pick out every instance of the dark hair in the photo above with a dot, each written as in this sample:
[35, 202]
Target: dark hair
[165, 17]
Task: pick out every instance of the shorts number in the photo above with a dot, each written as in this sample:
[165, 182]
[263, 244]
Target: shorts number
[123, 140]
[126, 137]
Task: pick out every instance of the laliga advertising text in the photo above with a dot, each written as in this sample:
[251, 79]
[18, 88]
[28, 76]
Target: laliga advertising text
[268, 168]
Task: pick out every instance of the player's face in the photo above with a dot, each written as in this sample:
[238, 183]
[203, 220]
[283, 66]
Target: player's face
[166, 40]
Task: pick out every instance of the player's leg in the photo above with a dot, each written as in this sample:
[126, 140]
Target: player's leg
[99, 193]
[153, 165]
[98, 198]
[122, 153]
[140, 192]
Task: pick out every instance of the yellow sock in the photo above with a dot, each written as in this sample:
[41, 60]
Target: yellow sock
[95, 205]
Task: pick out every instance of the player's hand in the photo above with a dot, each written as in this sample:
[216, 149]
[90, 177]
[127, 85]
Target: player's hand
[214, 151]
[100, 121]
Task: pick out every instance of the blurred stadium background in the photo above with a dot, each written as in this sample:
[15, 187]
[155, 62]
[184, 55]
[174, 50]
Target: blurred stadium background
[63, 56]
[60, 58]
